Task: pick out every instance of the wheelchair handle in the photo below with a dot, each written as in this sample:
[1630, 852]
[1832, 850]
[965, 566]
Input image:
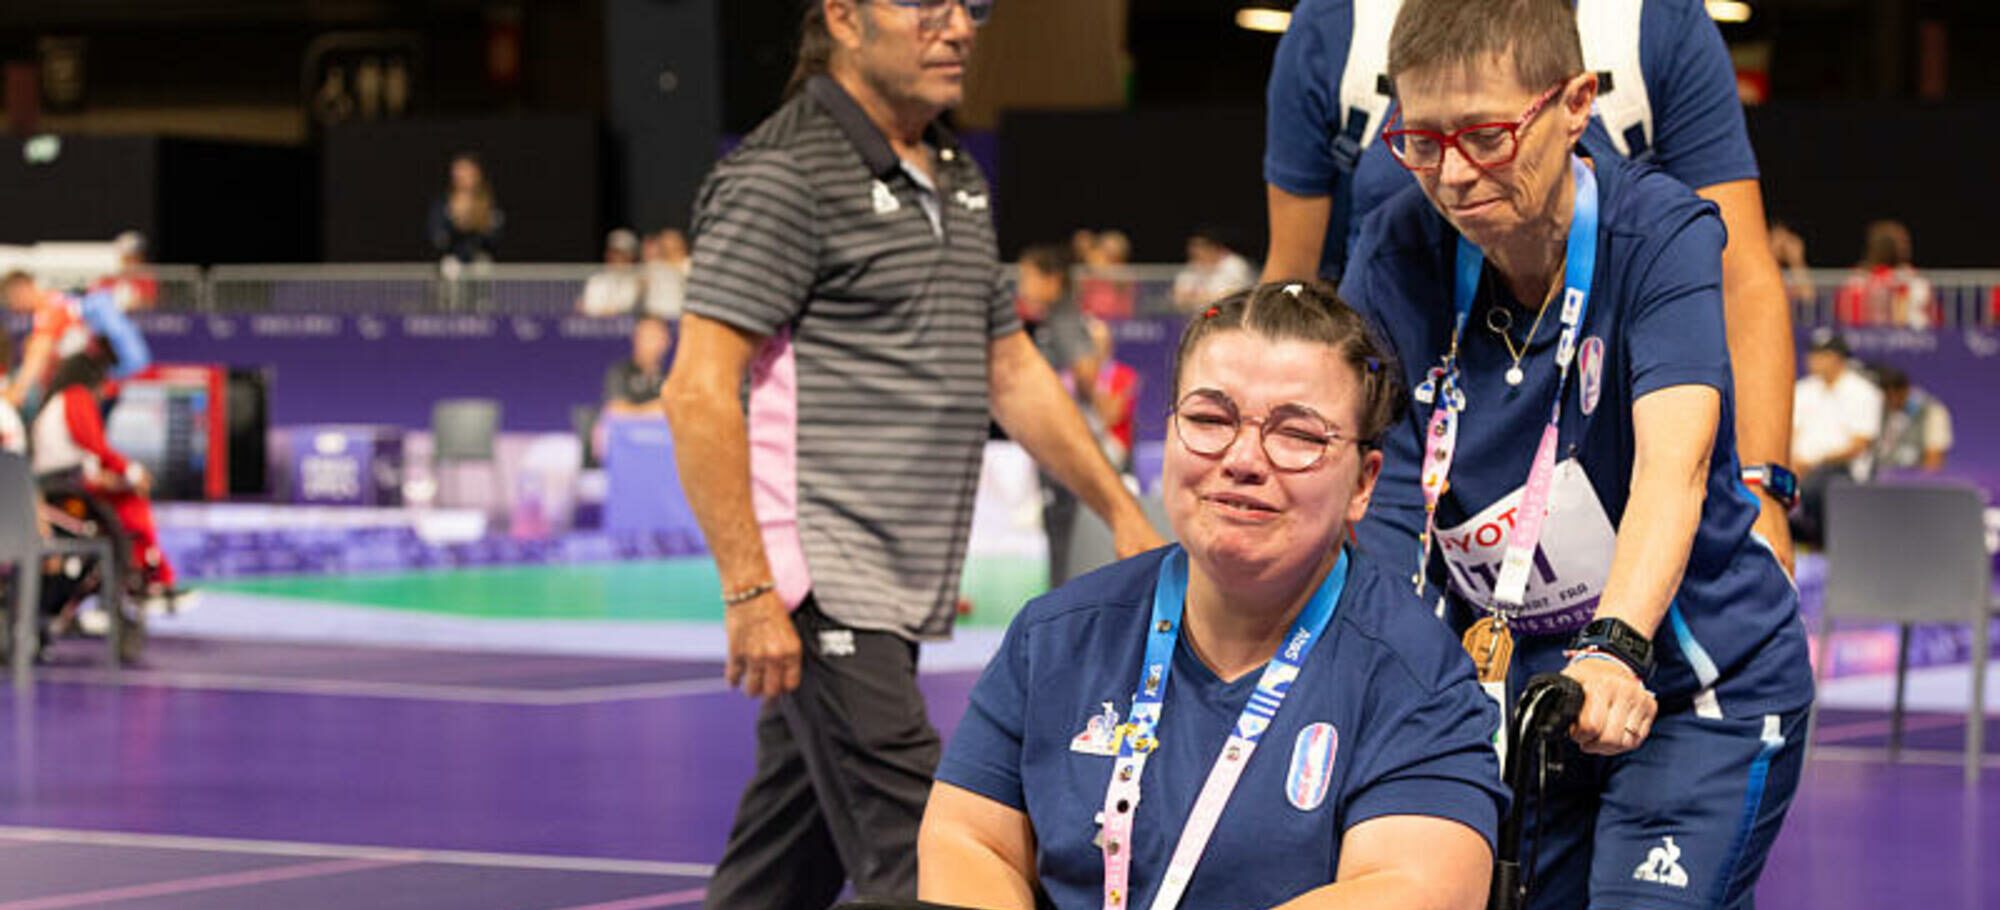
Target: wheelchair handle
[1549, 706]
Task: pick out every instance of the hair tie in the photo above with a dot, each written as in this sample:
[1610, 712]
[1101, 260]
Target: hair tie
[1293, 289]
[1211, 313]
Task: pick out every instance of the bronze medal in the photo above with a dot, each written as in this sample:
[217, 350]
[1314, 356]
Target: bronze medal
[1491, 645]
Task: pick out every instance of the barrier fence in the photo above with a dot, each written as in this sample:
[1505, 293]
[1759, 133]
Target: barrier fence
[381, 343]
[1955, 298]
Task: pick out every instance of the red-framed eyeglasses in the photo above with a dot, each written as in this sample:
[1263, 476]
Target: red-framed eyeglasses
[1483, 144]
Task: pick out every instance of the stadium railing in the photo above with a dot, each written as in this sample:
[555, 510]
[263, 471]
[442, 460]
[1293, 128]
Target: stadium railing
[1968, 298]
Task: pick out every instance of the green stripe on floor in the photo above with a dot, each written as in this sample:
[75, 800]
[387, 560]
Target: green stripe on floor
[683, 590]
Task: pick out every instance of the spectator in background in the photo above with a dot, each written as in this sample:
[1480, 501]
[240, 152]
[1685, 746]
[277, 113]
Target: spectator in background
[71, 452]
[1916, 427]
[1106, 290]
[65, 326]
[1049, 314]
[1836, 417]
[466, 222]
[1082, 244]
[133, 286]
[632, 386]
[665, 256]
[615, 290]
[1111, 389]
[1042, 297]
[1885, 288]
[13, 434]
[1789, 249]
[1213, 271]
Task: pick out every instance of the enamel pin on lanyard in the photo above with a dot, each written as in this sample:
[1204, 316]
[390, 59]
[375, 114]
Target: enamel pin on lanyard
[1136, 738]
[1489, 641]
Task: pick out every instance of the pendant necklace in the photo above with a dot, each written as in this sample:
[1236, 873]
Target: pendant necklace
[1500, 321]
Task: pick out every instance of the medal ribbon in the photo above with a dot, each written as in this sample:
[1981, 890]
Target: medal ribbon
[1136, 740]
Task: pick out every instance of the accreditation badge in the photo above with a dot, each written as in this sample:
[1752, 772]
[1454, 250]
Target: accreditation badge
[1572, 562]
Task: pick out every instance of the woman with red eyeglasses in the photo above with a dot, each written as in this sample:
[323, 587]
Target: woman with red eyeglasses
[1567, 469]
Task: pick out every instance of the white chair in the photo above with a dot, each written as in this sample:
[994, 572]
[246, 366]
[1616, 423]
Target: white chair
[1910, 554]
[464, 430]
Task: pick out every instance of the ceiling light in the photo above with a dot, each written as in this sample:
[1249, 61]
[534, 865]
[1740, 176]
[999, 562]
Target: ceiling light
[1263, 19]
[1728, 11]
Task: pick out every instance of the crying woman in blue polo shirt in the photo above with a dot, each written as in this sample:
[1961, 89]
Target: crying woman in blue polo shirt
[1254, 716]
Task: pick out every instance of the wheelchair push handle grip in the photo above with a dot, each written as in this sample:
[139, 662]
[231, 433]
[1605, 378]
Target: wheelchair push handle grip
[1549, 705]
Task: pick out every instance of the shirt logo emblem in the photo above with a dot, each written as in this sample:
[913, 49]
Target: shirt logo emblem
[1100, 734]
[1311, 771]
[885, 200]
[971, 202]
[1590, 362]
[1662, 866]
[836, 643]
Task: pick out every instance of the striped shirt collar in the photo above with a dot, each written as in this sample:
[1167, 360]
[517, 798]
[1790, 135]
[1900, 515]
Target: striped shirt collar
[866, 137]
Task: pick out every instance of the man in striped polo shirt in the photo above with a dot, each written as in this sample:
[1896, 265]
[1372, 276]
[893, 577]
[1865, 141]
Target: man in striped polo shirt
[844, 260]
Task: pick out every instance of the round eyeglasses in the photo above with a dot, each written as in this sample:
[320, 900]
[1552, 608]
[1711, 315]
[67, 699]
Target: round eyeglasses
[1294, 437]
[1483, 144]
[935, 15]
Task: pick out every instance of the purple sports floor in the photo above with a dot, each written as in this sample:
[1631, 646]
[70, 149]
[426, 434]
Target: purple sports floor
[228, 775]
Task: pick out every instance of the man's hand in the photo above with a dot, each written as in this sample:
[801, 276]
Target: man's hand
[1617, 710]
[763, 647]
[1135, 535]
[1776, 530]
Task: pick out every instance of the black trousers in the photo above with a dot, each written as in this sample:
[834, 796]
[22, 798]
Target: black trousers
[844, 766]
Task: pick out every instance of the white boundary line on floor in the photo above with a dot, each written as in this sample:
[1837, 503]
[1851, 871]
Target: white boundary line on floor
[353, 688]
[352, 851]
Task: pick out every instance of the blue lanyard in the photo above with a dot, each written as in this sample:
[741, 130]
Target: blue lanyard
[1137, 739]
[1441, 388]
[1170, 598]
[1581, 256]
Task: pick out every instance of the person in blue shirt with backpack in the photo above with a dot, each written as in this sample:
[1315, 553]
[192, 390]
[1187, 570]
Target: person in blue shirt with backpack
[1666, 96]
[1253, 718]
[1556, 311]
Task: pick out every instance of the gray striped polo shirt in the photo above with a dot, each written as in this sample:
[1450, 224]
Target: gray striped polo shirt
[879, 292]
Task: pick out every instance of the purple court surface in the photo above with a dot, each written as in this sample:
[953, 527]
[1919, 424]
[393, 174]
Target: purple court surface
[254, 775]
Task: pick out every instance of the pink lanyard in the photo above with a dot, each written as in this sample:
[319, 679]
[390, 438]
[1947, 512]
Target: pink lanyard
[1442, 388]
[1136, 740]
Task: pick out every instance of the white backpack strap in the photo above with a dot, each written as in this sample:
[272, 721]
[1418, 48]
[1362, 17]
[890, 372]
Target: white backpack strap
[1610, 32]
[1364, 84]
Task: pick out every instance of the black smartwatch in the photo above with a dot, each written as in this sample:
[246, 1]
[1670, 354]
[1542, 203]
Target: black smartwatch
[1776, 480]
[1618, 639]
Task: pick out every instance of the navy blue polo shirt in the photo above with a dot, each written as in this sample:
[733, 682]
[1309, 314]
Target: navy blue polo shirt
[1690, 84]
[1655, 321]
[1386, 703]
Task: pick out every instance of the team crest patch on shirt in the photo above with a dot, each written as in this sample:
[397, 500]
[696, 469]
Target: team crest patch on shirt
[1100, 734]
[1312, 766]
[1590, 363]
[885, 199]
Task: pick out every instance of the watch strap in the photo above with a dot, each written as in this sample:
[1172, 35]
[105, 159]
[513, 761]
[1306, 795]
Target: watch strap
[1618, 639]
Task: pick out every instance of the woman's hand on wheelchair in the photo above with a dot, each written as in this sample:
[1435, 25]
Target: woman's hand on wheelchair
[1618, 711]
